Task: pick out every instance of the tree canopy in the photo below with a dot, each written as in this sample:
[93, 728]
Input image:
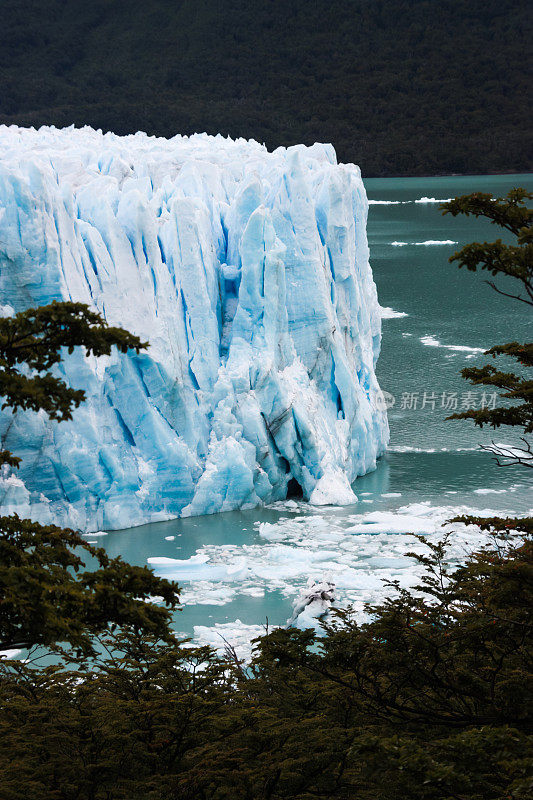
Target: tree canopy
[429, 699]
[47, 597]
[401, 87]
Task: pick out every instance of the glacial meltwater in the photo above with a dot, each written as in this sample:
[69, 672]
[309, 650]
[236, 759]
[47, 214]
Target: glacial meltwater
[240, 568]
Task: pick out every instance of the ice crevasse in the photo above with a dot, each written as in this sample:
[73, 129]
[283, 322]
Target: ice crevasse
[247, 272]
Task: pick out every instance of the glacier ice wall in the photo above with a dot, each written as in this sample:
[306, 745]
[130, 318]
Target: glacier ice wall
[247, 271]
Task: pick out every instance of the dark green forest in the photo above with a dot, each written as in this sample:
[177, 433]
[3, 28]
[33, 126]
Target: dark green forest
[401, 87]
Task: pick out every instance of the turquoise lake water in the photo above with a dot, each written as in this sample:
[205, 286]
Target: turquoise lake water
[250, 565]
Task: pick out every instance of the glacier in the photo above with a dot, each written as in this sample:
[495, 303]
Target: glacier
[248, 273]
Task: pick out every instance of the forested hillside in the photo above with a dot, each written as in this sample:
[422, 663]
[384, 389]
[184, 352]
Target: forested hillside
[399, 86]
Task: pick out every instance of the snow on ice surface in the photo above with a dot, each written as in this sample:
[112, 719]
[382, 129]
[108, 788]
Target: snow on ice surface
[247, 271]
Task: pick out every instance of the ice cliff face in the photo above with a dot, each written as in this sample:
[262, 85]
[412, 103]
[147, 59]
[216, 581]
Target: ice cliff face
[247, 272]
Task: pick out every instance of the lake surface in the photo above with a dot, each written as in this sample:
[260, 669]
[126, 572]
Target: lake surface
[239, 568]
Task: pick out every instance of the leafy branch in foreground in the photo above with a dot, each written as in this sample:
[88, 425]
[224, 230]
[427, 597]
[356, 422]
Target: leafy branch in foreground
[513, 261]
[47, 596]
[31, 342]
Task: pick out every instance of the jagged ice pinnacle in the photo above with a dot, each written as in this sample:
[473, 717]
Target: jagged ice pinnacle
[247, 271]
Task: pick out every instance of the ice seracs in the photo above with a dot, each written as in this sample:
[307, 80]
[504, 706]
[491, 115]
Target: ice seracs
[247, 271]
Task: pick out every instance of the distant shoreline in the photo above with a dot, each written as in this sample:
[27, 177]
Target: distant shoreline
[447, 175]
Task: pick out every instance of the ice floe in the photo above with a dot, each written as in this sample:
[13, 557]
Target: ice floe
[390, 313]
[354, 551]
[427, 243]
[432, 341]
[420, 200]
[357, 554]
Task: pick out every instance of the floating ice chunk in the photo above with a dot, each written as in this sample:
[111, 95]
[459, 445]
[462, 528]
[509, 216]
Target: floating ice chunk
[313, 604]
[271, 532]
[416, 518]
[236, 635]
[197, 567]
[208, 594]
[431, 242]
[421, 200]
[431, 341]
[8, 654]
[427, 243]
[426, 200]
[253, 591]
[390, 313]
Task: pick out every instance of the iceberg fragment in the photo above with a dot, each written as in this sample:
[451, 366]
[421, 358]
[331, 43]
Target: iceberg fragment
[247, 271]
[311, 607]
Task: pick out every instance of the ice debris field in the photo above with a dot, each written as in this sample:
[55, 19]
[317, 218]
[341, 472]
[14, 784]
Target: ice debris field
[247, 272]
[317, 560]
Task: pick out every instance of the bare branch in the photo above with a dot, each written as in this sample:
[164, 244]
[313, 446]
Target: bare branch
[507, 294]
[509, 454]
